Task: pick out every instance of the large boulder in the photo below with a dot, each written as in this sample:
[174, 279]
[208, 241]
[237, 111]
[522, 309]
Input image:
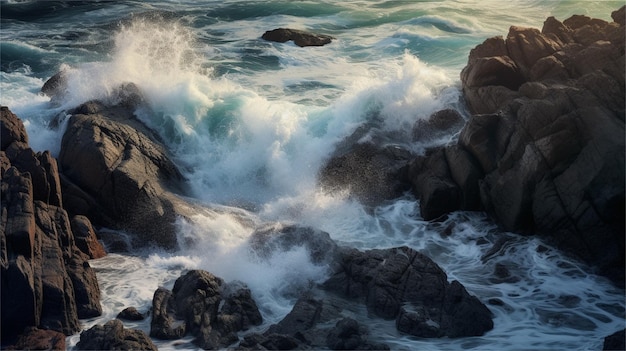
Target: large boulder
[113, 336]
[116, 171]
[299, 37]
[404, 285]
[203, 306]
[551, 147]
[46, 279]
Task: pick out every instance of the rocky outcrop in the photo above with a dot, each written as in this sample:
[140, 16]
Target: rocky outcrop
[548, 133]
[398, 284]
[299, 37]
[404, 285]
[203, 306]
[116, 172]
[46, 280]
[544, 150]
[113, 336]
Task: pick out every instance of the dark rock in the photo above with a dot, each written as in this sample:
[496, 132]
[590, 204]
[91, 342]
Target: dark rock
[307, 327]
[552, 151]
[299, 37]
[441, 123]
[306, 313]
[86, 289]
[615, 341]
[113, 336]
[121, 169]
[11, 128]
[280, 238]
[39, 339]
[349, 335]
[86, 238]
[239, 311]
[369, 172]
[271, 342]
[131, 314]
[56, 86]
[433, 185]
[405, 285]
[466, 173]
[201, 305]
[47, 281]
[163, 324]
[58, 306]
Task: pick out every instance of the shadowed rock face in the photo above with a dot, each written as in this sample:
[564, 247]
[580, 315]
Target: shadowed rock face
[116, 172]
[46, 279]
[549, 134]
[299, 37]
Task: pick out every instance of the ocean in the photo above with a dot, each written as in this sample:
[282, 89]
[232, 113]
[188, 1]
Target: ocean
[251, 122]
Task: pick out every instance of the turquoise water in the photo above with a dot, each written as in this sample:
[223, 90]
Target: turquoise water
[253, 121]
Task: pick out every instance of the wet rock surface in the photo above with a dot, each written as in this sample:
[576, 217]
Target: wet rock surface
[299, 37]
[203, 306]
[113, 336]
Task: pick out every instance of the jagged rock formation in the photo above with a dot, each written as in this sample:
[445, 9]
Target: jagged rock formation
[113, 336]
[46, 280]
[397, 283]
[402, 284]
[201, 305]
[543, 152]
[548, 134]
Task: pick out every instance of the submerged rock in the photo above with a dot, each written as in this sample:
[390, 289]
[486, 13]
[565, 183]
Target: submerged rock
[299, 37]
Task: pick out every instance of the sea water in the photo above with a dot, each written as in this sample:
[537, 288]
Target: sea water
[251, 123]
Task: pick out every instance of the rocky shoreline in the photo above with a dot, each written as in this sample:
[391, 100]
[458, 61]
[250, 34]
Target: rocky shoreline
[542, 154]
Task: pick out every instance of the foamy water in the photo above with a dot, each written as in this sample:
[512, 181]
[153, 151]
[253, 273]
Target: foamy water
[252, 122]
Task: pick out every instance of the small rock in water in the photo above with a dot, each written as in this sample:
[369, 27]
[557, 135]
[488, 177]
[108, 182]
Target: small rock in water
[131, 314]
[299, 37]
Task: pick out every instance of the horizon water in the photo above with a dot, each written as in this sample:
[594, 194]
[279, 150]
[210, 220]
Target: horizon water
[251, 123]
